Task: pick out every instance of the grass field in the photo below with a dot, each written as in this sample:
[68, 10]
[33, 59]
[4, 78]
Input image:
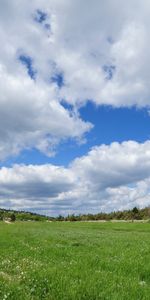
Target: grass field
[74, 261]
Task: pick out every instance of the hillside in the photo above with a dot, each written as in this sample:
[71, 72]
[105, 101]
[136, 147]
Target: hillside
[22, 215]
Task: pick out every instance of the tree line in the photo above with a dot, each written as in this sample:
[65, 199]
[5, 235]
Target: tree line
[132, 214]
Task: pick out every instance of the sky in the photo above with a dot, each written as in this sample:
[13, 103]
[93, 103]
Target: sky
[74, 105]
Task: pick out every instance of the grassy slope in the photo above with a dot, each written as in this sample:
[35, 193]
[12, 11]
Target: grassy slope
[74, 261]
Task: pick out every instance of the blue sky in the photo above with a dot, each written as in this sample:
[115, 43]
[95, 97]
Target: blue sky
[74, 105]
[110, 125]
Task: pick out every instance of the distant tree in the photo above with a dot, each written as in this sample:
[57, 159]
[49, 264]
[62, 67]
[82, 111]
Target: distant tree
[135, 210]
[60, 218]
[12, 217]
[72, 218]
[1, 215]
[135, 213]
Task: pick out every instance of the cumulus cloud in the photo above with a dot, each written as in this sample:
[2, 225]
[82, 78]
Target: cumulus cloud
[56, 56]
[115, 164]
[107, 178]
[115, 34]
[31, 186]
[31, 113]
[114, 176]
[70, 51]
[31, 117]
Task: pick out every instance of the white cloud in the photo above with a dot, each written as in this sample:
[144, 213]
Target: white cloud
[101, 49]
[30, 116]
[107, 178]
[31, 186]
[115, 164]
[79, 40]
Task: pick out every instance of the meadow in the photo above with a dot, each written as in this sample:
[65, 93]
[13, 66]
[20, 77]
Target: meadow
[73, 261]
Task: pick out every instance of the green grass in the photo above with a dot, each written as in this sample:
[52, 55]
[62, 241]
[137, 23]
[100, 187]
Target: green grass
[73, 261]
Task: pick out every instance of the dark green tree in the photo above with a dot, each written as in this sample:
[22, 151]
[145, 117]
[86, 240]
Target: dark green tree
[12, 217]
